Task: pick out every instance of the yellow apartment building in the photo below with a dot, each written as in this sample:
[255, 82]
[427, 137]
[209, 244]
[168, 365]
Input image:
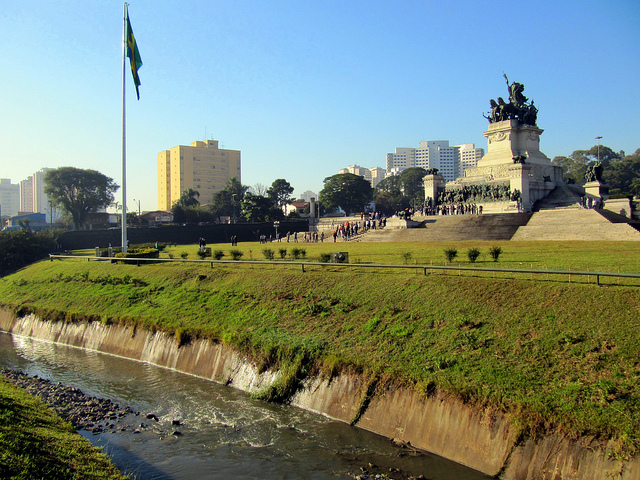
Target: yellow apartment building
[201, 166]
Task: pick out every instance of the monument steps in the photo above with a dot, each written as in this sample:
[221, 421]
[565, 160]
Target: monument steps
[563, 196]
[574, 224]
[440, 228]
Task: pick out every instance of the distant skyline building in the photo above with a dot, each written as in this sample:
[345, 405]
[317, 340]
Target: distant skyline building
[32, 196]
[373, 175]
[26, 195]
[377, 175]
[308, 195]
[451, 161]
[9, 197]
[201, 166]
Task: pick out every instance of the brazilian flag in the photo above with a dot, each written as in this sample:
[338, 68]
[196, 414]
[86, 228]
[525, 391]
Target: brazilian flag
[134, 55]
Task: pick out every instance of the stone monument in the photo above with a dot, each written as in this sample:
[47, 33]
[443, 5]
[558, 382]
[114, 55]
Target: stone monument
[513, 155]
[594, 187]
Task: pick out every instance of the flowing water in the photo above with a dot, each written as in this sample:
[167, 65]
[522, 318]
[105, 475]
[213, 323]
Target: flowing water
[223, 432]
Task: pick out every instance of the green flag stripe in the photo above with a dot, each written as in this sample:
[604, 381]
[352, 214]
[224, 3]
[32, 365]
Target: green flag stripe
[134, 55]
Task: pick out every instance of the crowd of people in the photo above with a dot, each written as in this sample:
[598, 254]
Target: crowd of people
[453, 209]
[590, 202]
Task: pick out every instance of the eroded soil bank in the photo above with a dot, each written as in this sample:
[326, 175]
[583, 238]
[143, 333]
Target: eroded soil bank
[463, 433]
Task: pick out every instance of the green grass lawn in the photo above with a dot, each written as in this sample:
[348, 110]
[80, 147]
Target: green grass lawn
[607, 256]
[555, 356]
[36, 444]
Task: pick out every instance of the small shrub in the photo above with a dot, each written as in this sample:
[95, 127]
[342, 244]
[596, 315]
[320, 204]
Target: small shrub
[450, 253]
[371, 325]
[182, 337]
[236, 254]
[268, 254]
[473, 254]
[494, 252]
[406, 257]
[171, 256]
[184, 255]
[218, 254]
[283, 253]
[202, 254]
[298, 252]
[325, 257]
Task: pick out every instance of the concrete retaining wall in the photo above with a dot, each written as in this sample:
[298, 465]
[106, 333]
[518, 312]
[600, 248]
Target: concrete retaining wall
[474, 437]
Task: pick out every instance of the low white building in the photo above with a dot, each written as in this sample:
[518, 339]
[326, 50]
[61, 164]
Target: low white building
[372, 175]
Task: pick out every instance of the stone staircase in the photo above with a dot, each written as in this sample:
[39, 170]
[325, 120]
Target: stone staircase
[563, 196]
[574, 223]
[442, 228]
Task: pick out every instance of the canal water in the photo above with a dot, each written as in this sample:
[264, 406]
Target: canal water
[223, 432]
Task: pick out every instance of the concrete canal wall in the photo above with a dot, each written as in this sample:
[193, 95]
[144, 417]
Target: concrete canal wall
[476, 437]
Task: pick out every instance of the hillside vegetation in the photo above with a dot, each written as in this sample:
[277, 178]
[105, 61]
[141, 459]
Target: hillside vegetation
[36, 443]
[555, 356]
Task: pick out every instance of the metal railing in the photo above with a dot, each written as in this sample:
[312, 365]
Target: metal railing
[303, 264]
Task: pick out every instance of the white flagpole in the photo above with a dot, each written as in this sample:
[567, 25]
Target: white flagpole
[124, 130]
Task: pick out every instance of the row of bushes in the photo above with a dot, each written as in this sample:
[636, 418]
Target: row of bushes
[297, 253]
[472, 254]
[20, 248]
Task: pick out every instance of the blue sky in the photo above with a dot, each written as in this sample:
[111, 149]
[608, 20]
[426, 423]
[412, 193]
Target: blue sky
[305, 88]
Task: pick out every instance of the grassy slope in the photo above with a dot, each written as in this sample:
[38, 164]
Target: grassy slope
[556, 356]
[35, 443]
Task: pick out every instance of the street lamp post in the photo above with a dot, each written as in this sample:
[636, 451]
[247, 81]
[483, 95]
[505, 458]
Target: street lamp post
[276, 224]
[138, 202]
[598, 139]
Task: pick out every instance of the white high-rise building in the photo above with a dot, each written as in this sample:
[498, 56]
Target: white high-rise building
[9, 197]
[377, 175]
[40, 199]
[449, 160]
[469, 156]
[26, 195]
[32, 196]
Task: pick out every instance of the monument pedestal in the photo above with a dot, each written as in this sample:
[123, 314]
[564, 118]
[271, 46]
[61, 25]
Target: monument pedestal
[596, 190]
[433, 185]
[535, 178]
[508, 139]
[519, 176]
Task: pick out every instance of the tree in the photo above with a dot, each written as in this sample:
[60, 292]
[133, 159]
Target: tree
[189, 198]
[227, 201]
[388, 202]
[623, 176]
[346, 191]
[258, 189]
[401, 191]
[412, 184]
[575, 166]
[257, 208]
[79, 191]
[179, 215]
[280, 192]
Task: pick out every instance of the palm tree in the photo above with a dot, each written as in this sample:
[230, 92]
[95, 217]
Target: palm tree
[189, 198]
